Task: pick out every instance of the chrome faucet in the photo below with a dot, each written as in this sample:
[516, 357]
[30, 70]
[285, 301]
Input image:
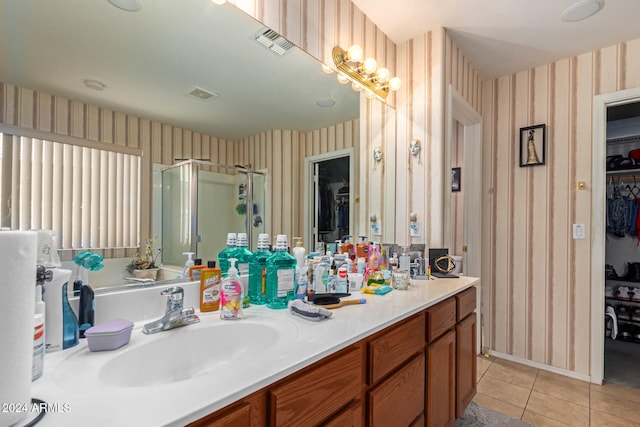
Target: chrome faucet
[174, 316]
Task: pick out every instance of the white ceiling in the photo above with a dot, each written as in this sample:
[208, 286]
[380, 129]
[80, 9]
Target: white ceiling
[505, 36]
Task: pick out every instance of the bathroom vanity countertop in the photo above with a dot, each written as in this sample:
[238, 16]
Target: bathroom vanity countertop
[76, 388]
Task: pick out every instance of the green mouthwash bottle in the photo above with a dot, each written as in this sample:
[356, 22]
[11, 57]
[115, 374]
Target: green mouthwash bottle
[226, 253]
[281, 268]
[258, 271]
[243, 255]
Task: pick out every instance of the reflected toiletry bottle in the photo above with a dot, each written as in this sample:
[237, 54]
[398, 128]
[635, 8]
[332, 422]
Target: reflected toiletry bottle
[258, 271]
[226, 253]
[231, 294]
[243, 256]
[196, 269]
[210, 278]
[362, 249]
[188, 264]
[61, 324]
[374, 258]
[347, 248]
[281, 269]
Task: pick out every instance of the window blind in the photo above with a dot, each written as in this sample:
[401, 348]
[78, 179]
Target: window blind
[89, 196]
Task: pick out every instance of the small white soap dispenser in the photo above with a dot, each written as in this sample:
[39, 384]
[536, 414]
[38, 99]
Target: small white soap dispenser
[188, 264]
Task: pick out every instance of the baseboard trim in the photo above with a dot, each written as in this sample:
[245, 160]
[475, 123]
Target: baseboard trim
[539, 365]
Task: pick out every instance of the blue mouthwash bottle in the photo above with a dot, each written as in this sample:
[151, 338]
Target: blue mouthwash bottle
[226, 253]
[281, 268]
[258, 271]
[243, 256]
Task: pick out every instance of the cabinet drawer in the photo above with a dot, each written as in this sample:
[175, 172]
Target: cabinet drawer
[319, 392]
[400, 399]
[466, 302]
[390, 349]
[440, 318]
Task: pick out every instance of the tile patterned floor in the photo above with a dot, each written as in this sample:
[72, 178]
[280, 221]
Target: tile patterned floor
[546, 399]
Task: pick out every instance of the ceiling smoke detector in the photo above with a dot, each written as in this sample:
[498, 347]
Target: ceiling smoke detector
[582, 10]
[272, 41]
[201, 94]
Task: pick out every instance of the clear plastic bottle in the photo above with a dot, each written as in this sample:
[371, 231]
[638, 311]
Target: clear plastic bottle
[258, 271]
[281, 269]
[226, 253]
[243, 256]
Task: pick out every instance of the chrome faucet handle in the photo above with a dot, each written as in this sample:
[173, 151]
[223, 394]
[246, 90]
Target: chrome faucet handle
[175, 296]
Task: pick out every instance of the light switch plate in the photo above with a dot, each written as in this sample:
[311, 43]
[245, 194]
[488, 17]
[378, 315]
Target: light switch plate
[579, 231]
[414, 227]
[376, 228]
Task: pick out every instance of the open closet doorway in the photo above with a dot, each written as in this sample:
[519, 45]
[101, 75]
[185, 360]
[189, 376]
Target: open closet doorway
[329, 198]
[622, 252]
[612, 164]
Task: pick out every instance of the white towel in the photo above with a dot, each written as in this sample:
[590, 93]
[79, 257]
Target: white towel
[612, 314]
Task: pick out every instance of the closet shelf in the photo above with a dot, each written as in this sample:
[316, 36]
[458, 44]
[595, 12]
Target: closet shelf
[622, 300]
[625, 172]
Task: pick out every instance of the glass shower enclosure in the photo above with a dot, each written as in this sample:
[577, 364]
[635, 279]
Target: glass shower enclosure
[200, 207]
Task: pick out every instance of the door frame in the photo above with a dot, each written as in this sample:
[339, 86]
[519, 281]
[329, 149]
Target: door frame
[309, 162]
[459, 110]
[598, 222]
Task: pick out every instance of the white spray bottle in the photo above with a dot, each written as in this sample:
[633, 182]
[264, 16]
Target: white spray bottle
[61, 322]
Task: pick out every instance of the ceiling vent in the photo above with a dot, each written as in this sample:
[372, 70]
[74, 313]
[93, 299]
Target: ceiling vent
[272, 41]
[201, 94]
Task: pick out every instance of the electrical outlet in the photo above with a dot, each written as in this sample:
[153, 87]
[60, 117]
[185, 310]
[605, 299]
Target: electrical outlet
[579, 231]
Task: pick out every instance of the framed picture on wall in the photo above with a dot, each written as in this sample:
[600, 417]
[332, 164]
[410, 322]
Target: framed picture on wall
[533, 141]
[455, 179]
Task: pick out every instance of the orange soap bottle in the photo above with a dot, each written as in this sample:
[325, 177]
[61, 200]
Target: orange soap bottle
[210, 278]
[196, 269]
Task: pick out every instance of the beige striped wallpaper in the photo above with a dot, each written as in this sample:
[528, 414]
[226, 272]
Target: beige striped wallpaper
[536, 278]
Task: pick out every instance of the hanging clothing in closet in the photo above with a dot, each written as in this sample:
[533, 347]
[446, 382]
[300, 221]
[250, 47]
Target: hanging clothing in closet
[326, 209]
[623, 207]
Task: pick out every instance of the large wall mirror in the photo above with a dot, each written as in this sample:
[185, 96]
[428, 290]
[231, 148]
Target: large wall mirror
[192, 65]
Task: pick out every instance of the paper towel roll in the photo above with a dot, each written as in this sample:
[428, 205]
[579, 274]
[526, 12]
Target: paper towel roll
[18, 252]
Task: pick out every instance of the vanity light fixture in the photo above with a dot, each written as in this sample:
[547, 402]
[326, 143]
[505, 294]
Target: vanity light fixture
[364, 73]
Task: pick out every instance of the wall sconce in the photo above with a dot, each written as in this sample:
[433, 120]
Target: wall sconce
[377, 154]
[415, 147]
[364, 73]
[376, 228]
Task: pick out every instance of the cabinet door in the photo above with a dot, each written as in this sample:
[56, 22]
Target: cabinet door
[399, 399]
[466, 363]
[351, 416]
[441, 381]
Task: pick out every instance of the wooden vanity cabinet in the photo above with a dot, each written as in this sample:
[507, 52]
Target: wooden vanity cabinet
[466, 363]
[451, 358]
[396, 376]
[419, 371]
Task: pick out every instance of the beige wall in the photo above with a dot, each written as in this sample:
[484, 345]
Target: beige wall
[536, 278]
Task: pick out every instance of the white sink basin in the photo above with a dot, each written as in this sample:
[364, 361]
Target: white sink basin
[187, 353]
[212, 347]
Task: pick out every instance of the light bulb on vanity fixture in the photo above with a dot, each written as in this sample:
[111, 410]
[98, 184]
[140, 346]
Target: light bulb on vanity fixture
[364, 73]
